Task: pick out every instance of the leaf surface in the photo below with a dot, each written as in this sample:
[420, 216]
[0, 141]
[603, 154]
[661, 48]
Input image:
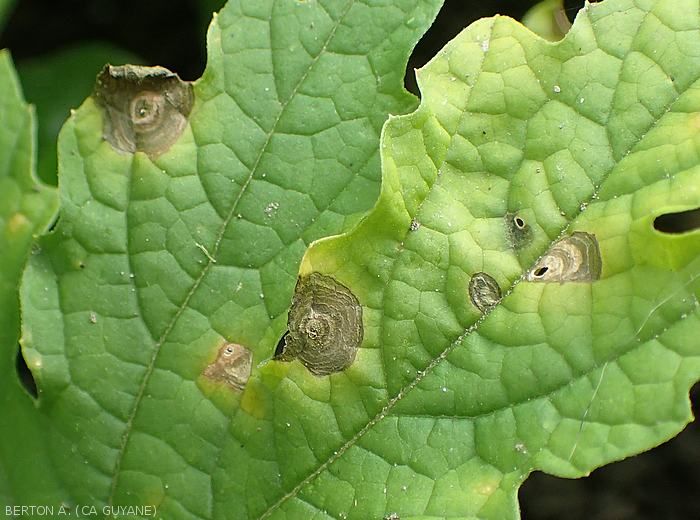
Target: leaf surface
[158, 261]
[517, 145]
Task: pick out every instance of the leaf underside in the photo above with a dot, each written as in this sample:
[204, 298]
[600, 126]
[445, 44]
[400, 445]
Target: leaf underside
[449, 405]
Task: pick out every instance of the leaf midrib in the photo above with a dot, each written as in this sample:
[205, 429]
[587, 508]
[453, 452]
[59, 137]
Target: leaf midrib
[126, 435]
[384, 412]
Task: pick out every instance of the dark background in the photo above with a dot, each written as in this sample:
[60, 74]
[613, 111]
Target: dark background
[661, 484]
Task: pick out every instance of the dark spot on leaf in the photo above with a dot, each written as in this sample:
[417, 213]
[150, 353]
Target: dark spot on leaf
[145, 108]
[26, 378]
[572, 259]
[325, 325]
[518, 230]
[484, 291]
[232, 366]
[676, 223]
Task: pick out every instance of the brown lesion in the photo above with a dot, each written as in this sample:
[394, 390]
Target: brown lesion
[325, 326]
[232, 366]
[484, 291]
[145, 108]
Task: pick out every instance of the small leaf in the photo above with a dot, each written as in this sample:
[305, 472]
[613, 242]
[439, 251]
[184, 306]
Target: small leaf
[26, 208]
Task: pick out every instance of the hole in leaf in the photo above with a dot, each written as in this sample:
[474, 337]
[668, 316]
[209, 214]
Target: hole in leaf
[279, 349]
[676, 223]
[53, 224]
[540, 272]
[25, 375]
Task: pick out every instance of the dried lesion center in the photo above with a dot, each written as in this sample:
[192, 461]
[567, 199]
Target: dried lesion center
[146, 108]
[316, 325]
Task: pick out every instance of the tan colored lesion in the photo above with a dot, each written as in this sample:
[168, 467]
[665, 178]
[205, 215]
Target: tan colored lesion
[232, 366]
[484, 291]
[575, 258]
[145, 108]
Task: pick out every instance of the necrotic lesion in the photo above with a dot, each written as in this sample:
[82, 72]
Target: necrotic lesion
[325, 326]
[145, 108]
[484, 291]
[575, 258]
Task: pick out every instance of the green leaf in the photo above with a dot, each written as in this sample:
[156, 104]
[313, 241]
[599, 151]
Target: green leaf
[26, 208]
[56, 83]
[518, 144]
[159, 260]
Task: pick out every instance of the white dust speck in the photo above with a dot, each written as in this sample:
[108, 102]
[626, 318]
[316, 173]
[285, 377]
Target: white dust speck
[93, 317]
[557, 89]
[485, 45]
[272, 208]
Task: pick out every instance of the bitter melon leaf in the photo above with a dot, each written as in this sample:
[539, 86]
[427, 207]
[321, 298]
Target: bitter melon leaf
[26, 208]
[519, 145]
[159, 260]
